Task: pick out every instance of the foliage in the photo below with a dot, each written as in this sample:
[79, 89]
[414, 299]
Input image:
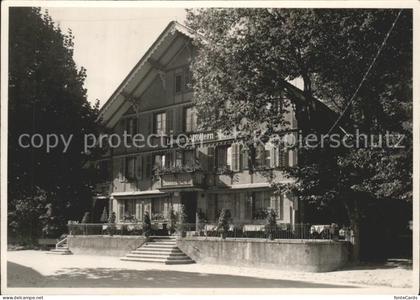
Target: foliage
[245, 57]
[271, 224]
[46, 96]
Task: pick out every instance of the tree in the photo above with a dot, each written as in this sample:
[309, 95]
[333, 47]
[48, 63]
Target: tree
[47, 96]
[246, 55]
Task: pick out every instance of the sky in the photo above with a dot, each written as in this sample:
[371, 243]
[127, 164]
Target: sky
[108, 42]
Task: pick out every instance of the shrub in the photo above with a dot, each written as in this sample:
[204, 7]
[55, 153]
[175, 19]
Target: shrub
[147, 225]
[223, 223]
[271, 225]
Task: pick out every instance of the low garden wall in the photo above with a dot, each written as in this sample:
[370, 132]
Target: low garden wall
[104, 245]
[284, 254]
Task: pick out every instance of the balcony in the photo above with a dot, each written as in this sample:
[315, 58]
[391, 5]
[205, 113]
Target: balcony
[182, 179]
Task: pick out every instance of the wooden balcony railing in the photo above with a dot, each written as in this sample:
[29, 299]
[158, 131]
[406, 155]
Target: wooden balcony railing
[183, 179]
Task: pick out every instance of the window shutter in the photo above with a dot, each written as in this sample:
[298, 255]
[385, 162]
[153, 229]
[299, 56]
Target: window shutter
[235, 157]
[281, 206]
[284, 158]
[291, 158]
[149, 121]
[121, 174]
[244, 154]
[274, 155]
[179, 119]
[120, 211]
[138, 210]
[139, 167]
[148, 170]
[210, 156]
[229, 157]
[169, 121]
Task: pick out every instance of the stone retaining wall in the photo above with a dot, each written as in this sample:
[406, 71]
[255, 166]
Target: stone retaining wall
[104, 245]
[296, 255]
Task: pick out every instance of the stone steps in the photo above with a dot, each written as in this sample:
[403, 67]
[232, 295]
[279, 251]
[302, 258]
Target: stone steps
[159, 250]
[160, 261]
[60, 251]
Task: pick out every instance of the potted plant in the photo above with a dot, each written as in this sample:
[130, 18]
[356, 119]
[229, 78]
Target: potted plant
[271, 225]
[223, 223]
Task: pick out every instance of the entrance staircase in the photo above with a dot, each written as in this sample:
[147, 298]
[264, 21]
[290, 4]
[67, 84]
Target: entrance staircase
[61, 248]
[159, 249]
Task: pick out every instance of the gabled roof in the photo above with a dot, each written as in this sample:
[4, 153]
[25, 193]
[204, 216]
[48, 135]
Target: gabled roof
[137, 76]
[141, 69]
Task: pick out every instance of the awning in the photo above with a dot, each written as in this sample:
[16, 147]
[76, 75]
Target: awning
[149, 193]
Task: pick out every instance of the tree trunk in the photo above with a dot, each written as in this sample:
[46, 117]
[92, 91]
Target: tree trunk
[355, 225]
[353, 214]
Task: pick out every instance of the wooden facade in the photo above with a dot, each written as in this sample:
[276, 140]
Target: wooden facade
[156, 98]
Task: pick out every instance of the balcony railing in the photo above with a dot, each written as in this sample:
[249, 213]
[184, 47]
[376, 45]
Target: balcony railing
[182, 179]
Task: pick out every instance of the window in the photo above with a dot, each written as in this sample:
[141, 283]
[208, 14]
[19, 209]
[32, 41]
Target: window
[260, 156]
[279, 206]
[158, 208]
[178, 83]
[131, 126]
[130, 165]
[236, 157]
[178, 158]
[159, 161]
[265, 156]
[222, 158]
[190, 123]
[261, 204]
[283, 158]
[189, 159]
[160, 123]
[226, 201]
[129, 210]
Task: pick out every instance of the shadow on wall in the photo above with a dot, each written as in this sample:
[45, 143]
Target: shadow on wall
[20, 276]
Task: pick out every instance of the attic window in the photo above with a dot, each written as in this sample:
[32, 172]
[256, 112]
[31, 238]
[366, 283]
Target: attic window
[178, 83]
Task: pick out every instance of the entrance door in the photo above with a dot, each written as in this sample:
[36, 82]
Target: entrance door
[189, 200]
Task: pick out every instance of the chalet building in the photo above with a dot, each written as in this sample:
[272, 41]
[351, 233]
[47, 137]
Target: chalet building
[156, 98]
